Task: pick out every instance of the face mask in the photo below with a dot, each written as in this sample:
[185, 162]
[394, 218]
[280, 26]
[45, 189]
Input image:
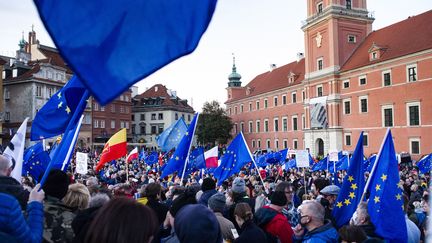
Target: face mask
[303, 225]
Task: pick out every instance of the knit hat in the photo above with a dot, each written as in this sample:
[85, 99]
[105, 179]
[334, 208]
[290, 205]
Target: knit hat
[197, 224]
[278, 198]
[238, 185]
[208, 184]
[217, 202]
[56, 184]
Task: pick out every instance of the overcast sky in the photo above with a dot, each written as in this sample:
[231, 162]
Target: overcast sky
[259, 32]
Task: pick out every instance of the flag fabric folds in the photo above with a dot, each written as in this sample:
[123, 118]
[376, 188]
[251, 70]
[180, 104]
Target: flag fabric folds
[424, 164]
[132, 155]
[236, 156]
[15, 151]
[320, 165]
[352, 187]
[36, 160]
[171, 136]
[179, 158]
[115, 148]
[385, 205]
[127, 42]
[152, 158]
[196, 160]
[142, 154]
[53, 118]
[211, 157]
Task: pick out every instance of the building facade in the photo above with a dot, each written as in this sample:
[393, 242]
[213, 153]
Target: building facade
[155, 110]
[29, 80]
[351, 79]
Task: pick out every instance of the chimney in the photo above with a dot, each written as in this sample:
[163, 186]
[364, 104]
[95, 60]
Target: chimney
[272, 67]
[300, 56]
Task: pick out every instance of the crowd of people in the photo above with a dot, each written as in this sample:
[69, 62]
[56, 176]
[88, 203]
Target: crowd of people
[134, 204]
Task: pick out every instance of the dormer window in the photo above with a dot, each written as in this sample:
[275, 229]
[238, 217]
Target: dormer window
[375, 52]
[374, 55]
[319, 7]
[248, 90]
[291, 77]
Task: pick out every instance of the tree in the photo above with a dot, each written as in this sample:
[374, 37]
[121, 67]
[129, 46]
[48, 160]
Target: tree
[213, 124]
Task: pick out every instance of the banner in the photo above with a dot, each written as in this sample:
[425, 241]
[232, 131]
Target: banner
[318, 113]
[81, 163]
[334, 155]
[302, 158]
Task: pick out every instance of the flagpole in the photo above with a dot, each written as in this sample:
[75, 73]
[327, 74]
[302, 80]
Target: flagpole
[190, 146]
[84, 98]
[374, 166]
[253, 160]
[127, 171]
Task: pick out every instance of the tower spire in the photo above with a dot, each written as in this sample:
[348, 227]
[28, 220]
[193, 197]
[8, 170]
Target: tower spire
[234, 77]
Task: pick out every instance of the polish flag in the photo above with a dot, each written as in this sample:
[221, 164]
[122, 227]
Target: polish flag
[211, 158]
[132, 155]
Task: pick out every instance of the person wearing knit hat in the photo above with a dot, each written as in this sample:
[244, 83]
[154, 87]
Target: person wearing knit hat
[208, 188]
[58, 217]
[217, 204]
[238, 185]
[238, 195]
[271, 219]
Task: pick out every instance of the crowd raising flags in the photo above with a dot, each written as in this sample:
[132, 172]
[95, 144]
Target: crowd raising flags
[172, 136]
[115, 148]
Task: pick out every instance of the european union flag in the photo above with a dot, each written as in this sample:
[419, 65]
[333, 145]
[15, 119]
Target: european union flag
[53, 118]
[196, 160]
[320, 165]
[290, 164]
[352, 187]
[235, 157]
[151, 158]
[424, 164]
[371, 162]
[171, 136]
[35, 161]
[127, 42]
[385, 203]
[142, 155]
[179, 158]
[342, 164]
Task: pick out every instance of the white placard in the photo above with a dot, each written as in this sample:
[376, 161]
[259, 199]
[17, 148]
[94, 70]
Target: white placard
[333, 156]
[81, 163]
[302, 158]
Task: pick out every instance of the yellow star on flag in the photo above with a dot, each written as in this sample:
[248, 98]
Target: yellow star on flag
[352, 195]
[398, 197]
[339, 204]
[377, 199]
[354, 186]
[378, 187]
[187, 133]
[383, 177]
[59, 95]
[400, 185]
[67, 109]
[60, 105]
[347, 202]
[350, 178]
[177, 158]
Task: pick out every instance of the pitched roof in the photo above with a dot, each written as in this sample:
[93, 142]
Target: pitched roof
[159, 91]
[274, 80]
[53, 57]
[406, 37]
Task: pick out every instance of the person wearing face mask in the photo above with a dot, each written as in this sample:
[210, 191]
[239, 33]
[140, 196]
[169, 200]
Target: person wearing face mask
[361, 218]
[313, 228]
[328, 200]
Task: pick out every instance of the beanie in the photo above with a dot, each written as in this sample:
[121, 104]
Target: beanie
[238, 185]
[208, 184]
[56, 184]
[217, 202]
[278, 198]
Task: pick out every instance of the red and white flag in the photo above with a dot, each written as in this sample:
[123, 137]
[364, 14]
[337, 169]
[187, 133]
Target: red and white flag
[132, 155]
[211, 157]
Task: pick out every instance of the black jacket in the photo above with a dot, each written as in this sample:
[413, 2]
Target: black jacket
[250, 233]
[12, 187]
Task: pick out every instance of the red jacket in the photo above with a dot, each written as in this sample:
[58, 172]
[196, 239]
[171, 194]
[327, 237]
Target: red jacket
[275, 223]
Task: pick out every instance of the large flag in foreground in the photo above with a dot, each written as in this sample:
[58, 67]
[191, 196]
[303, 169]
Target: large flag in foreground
[114, 46]
[352, 187]
[36, 160]
[171, 136]
[15, 151]
[236, 156]
[180, 156]
[385, 204]
[53, 118]
[115, 148]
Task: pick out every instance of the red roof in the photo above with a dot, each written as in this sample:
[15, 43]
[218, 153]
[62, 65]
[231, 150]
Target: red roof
[53, 57]
[160, 91]
[406, 37]
[274, 80]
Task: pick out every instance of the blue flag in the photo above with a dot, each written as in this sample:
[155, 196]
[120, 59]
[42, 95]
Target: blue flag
[424, 164]
[151, 158]
[235, 157]
[385, 203]
[371, 162]
[196, 160]
[321, 165]
[53, 118]
[290, 164]
[119, 44]
[142, 155]
[178, 160]
[35, 161]
[352, 187]
[171, 136]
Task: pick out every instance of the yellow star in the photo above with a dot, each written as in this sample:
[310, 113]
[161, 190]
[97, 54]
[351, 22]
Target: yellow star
[352, 195]
[383, 177]
[400, 185]
[67, 109]
[378, 187]
[59, 95]
[60, 105]
[354, 186]
[377, 199]
[347, 202]
[350, 178]
[177, 158]
[187, 133]
[398, 197]
[339, 204]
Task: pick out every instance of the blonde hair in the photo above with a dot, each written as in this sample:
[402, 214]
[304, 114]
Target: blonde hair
[78, 196]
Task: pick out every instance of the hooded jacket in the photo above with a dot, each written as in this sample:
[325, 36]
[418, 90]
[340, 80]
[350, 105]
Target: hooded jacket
[274, 223]
[325, 233]
[12, 187]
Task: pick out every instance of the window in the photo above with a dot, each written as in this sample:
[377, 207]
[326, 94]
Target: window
[38, 91]
[257, 105]
[365, 139]
[102, 123]
[7, 116]
[285, 143]
[153, 129]
[259, 143]
[112, 124]
[386, 78]
[363, 104]
[319, 7]
[242, 127]
[127, 124]
[347, 107]
[102, 108]
[412, 72]
[121, 97]
[126, 109]
[160, 116]
[352, 39]
[6, 94]
[295, 144]
[143, 130]
[285, 124]
[284, 100]
[320, 63]
[303, 121]
[229, 111]
[235, 110]
[241, 108]
[387, 115]
[50, 92]
[189, 117]
[374, 55]
[265, 103]
[266, 128]
[235, 128]
[142, 117]
[122, 124]
[275, 101]
[276, 144]
[113, 108]
[348, 139]
[122, 109]
[346, 84]
[258, 126]
[153, 116]
[303, 95]
[362, 80]
[132, 117]
[276, 125]
[250, 127]
[414, 146]
[319, 90]
[253, 144]
[96, 123]
[133, 129]
[268, 143]
[294, 123]
[250, 106]
[176, 115]
[413, 112]
[294, 97]
[96, 106]
[183, 116]
[348, 4]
